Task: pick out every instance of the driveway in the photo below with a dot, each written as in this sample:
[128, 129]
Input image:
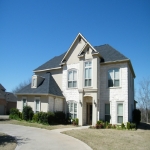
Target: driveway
[30, 138]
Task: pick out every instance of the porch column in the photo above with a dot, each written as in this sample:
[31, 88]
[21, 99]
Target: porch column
[80, 108]
[95, 105]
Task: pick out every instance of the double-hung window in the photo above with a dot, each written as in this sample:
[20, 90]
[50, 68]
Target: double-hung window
[72, 78]
[113, 78]
[107, 112]
[119, 113]
[72, 109]
[37, 105]
[88, 73]
[24, 102]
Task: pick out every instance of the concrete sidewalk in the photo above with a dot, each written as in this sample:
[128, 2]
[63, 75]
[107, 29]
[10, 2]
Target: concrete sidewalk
[30, 138]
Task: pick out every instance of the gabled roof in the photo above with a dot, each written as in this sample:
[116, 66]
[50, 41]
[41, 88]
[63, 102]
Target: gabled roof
[48, 86]
[52, 63]
[109, 53]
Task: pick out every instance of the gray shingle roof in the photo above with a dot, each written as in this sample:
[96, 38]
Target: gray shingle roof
[52, 63]
[106, 51]
[109, 53]
[11, 97]
[2, 88]
[48, 86]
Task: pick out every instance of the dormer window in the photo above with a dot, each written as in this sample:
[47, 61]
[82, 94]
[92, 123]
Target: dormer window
[34, 82]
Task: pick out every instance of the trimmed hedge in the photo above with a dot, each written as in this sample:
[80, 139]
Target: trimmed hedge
[27, 113]
[15, 114]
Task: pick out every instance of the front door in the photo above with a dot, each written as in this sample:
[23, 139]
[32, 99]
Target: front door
[89, 113]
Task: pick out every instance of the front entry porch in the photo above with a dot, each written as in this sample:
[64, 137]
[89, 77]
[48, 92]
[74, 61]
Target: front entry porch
[89, 113]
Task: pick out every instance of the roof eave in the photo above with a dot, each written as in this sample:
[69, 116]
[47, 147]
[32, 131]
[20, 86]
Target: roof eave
[47, 69]
[38, 94]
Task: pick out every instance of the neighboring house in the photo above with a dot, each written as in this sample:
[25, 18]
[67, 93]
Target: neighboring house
[7, 101]
[2, 100]
[86, 82]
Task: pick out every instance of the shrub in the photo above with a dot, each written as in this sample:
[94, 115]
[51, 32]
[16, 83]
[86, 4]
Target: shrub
[15, 114]
[51, 117]
[75, 121]
[133, 126]
[113, 126]
[99, 121]
[128, 125]
[122, 126]
[59, 117]
[35, 118]
[136, 114]
[42, 117]
[27, 113]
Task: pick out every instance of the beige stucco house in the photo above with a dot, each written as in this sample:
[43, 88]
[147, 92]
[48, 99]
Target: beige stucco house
[86, 82]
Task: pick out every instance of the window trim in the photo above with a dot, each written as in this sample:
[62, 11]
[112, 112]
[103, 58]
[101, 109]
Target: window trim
[37, 98]
[73, 69]
[89, 60]
[73, 112]
[122, 112]
[113, 78]
[23, 101]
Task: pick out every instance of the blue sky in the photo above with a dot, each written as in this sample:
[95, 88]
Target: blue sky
[32, 32]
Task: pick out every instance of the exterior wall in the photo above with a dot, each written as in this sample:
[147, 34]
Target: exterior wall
[2, 106]
[130, 93]
[46, 103]
[114, 95]
[72, 56]
[70, 93]
[30, 102]
[10, 105]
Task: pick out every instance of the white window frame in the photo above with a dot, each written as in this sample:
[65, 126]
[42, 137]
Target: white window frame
[113, 69]
[91, 73]
[72, 70]
[35, 99]
[122, 112]
[24, 98]
[73, 110]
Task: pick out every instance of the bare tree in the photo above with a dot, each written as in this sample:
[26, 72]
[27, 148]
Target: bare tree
[21, 85]
[144, 98]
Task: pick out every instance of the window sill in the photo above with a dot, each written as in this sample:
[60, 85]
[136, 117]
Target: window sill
[86, 87]
[72, 88]
[117, 87]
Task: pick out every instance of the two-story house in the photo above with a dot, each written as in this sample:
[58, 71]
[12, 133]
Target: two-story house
[86, 82]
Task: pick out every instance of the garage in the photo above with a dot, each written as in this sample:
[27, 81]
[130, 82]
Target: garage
[1, 109]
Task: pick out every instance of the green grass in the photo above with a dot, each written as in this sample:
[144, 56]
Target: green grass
[37, 125]
[112, 139]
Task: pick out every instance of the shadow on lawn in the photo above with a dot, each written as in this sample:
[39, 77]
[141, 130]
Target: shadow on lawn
[5, 139]
[144, 126]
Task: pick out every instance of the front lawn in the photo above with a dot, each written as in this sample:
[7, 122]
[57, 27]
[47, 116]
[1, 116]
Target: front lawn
[113, 139]
[37, 125]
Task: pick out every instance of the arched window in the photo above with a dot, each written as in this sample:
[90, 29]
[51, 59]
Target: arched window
[72, 109]
[113, 78]
[72, 78]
